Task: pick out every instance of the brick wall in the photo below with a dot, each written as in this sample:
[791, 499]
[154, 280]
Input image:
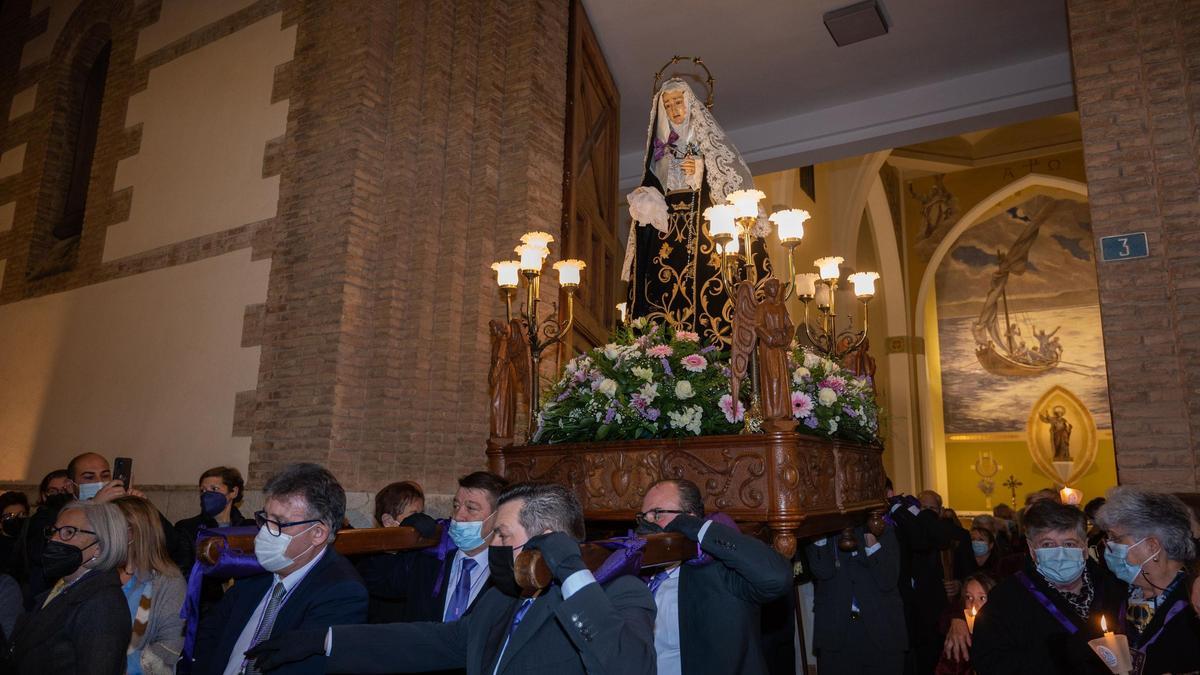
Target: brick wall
[1137, 81]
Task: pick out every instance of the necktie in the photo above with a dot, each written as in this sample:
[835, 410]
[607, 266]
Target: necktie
[525, 605]
[267, 622]
[657, 580]
[462, 592]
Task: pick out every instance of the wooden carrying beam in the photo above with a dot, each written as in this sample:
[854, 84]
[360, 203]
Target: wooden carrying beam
[348, 542]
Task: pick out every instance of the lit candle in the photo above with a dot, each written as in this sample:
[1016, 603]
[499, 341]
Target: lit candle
[1070, 496]
[1112, 649]
[568, 272]
[829, 267]
[622, 310]
[720, 221]
[532, 256]
[506, 273]
[745, 202]
[806, 284]
[970, 613]
[864, 284]
[822, 296]
[543, 239]
[790, 224]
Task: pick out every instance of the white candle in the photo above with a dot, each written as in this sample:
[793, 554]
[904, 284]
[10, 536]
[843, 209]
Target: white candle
[864, 284]
[829, 267]
[506, 273]
[790, 224]
[1112, 649]
[745, 202]
[822, 295]
[1070, 496]
[806, 284]
[568, 271]
[970, 613]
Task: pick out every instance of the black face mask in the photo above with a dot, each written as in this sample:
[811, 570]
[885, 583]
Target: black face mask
[59, 559]
[500, 565]
[56, 502]
[649, 528]
[12, 526]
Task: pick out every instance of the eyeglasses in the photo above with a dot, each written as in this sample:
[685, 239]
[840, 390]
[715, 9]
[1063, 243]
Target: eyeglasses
[65, 533]
[653, 515]
[274, 527]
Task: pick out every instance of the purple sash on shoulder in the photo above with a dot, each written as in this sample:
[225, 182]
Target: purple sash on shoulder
[626, 557]
[233, 564]
[1046, 602]
[443, 548]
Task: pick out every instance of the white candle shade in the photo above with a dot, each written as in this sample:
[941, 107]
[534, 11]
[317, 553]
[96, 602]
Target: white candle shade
[745, 202]
[622, 310]
[720, 220]
[543, 239]
[806, 284]
[822, 295]
[532, 257]
[731, 248]
[506, 273]
[864, 283]
[790, 224]
[568, 271]
[829, 267]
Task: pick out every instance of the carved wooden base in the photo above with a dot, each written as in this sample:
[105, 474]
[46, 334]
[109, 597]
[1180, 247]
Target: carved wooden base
[796, 485]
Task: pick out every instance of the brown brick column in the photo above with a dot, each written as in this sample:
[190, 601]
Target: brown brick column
[1137, 79]
[423, 138]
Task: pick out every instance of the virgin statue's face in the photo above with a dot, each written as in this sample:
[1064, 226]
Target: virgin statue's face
[675, 105]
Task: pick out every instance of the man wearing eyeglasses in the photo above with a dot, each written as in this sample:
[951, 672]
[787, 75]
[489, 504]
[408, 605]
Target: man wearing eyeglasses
[708, 614]
[308, 584]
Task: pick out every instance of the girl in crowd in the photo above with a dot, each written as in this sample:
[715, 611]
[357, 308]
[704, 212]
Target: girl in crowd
[975, 591]
[154, 591]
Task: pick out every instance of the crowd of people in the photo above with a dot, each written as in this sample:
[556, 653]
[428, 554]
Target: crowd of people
[94, 579]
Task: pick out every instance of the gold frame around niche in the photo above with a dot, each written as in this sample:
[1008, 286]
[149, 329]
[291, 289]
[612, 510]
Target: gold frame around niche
[1084, 430]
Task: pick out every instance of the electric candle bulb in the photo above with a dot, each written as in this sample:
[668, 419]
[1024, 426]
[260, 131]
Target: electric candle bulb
[745, 202]
[829, 267]
[806, 284]
[790, 224]
[568, 271]
[543, 239]
[864, 284]
[506, 273]
[720, 220]
[532, 257]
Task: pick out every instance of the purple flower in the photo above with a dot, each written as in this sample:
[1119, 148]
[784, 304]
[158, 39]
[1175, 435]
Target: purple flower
[810, 422]
[710, 348]
[610, 414]
[835, 383]
[849, 411]
[563, 396]
[651, 414]
[638, 402]
[666, 366]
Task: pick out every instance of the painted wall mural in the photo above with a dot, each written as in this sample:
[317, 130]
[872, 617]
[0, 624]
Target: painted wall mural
[1018, 314]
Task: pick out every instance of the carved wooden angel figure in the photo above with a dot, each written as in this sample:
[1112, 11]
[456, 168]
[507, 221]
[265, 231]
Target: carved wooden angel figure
[510, 368]
[766, 325]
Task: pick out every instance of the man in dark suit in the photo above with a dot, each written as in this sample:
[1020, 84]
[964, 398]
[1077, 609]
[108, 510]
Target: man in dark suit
[858, 615]
[708, 617]
[308, 584]
[575, 626]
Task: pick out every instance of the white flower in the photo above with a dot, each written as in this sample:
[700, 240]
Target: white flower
[825, 396]
[830, 366]
[833, 426]
[688, 418]
[612, 351]
[799, 374]
[811, 360]
[649, 392]
[684, 390]
[638, 323]
[607, 387]
[642, 373]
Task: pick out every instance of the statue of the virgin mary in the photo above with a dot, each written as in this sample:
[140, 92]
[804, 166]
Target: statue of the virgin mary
[671, 263]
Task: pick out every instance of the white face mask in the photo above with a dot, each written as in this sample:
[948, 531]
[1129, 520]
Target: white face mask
[89, 490]
[271, 551]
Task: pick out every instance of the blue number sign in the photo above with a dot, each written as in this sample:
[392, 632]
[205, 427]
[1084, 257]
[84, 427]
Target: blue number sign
[1124, 247]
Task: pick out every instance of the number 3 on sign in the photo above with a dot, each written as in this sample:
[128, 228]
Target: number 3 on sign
[1124, 247]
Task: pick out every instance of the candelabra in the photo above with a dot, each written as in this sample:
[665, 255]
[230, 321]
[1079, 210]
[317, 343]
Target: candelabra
[539, 334]
[731, 227]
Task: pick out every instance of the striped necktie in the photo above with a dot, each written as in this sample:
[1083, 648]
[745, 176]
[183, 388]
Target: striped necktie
[267, 622]
[657, 580]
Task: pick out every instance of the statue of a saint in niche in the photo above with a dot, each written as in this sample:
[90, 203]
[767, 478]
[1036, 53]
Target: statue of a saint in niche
[1060, 433]
[671, 262]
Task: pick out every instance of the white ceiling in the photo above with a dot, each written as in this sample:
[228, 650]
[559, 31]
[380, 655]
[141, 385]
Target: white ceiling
[788, 96]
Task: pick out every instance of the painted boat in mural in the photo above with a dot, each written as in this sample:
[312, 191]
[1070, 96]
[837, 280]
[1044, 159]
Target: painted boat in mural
[998, 347]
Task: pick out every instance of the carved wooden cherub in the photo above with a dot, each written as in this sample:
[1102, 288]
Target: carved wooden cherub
[764, 325]
[510, 368]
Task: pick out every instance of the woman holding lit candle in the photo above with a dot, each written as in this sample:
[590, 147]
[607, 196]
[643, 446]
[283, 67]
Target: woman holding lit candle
[1149, 547]
[974, 596]
[1040, 619]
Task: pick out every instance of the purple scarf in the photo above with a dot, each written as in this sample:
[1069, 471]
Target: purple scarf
[232, 563]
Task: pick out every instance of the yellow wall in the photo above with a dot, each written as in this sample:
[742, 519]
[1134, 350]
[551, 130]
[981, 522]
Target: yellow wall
[1013, 455]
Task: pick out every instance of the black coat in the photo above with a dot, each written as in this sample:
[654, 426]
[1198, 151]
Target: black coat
[329, 595]
[719, 603]
[1177, 647]
[607, 629]
[83, 631]
[868, 580]
[1015, 634]
[402, 586]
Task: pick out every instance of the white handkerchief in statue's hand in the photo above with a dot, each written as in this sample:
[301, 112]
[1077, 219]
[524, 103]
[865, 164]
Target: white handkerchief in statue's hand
[647, 206]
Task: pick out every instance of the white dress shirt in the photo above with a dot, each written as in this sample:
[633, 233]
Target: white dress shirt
[479, 577]
[666, 622]
[238, 655]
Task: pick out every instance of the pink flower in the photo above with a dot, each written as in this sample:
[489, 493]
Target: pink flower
[834, 382]
[660, 351]
[694, 363]
[687, 336]
[726, 406]
[802, 404]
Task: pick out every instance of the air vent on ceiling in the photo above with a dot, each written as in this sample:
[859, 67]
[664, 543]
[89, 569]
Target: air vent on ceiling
[857, 22]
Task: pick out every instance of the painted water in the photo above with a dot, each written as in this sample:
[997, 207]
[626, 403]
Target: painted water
[976, 401]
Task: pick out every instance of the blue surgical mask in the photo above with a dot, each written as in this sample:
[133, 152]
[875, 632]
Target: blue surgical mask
[467, 536]
[980, 548]
[212, 503]
[1116, 556]
[89, 490]
[1060, 565]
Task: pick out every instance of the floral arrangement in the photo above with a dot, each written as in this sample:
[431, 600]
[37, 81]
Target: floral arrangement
[653, 381]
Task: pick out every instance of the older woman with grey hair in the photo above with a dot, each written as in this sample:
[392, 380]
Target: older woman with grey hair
[82, 624]
[1149, 547]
